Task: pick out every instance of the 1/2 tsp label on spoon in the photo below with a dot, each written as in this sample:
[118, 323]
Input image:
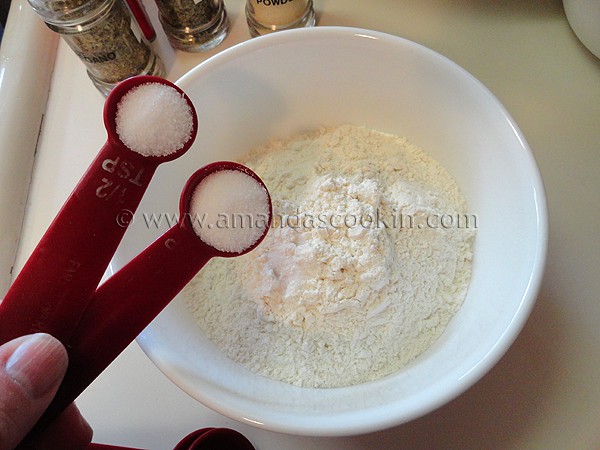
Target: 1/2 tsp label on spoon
[120, 174]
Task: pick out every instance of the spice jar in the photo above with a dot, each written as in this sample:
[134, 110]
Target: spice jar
[104, 36]
[266, 16]
[193, 25]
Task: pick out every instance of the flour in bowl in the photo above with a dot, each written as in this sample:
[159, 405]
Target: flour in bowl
[367, 260]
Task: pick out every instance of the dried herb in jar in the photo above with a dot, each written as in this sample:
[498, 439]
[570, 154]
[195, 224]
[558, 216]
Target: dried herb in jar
[193, 25]
[183, 13]
[104, 36]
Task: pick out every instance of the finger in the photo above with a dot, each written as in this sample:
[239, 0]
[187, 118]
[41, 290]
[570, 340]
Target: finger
[31, 369]
[69, 430]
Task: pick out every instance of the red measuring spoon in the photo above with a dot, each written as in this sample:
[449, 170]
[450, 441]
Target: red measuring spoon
[129, 300]
[214, 439]
[51, 291]
[203, 439]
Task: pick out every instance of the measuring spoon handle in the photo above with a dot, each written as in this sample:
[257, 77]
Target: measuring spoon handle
[52, 289]
[124, 305]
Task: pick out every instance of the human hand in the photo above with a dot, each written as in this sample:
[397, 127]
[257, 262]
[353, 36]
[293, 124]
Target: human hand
[31, 370]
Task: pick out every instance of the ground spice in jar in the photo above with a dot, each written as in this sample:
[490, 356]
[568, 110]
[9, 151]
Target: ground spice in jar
[104, 36]
[193, 25]
[266, 16]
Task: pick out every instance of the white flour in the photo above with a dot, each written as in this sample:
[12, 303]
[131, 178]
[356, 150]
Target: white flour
[357, 275]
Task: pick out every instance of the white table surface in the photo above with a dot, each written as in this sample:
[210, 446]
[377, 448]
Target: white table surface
[545, 393]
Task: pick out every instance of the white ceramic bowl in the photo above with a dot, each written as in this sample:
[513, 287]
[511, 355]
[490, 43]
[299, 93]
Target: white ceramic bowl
[584, 18]
[289, 82]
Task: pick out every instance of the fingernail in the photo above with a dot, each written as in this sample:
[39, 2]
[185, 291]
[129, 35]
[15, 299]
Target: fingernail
[38, 364]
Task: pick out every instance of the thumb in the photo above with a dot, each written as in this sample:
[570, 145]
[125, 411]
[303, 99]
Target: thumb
[31, 369]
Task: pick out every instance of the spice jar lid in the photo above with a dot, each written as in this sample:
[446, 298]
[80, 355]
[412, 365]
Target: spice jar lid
[64, 13]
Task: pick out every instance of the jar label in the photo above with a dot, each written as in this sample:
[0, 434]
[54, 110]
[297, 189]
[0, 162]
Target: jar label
[98, 58]
[278, 12]
[111, 47]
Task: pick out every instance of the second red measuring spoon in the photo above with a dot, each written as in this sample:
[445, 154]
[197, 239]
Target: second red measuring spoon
[129, 300]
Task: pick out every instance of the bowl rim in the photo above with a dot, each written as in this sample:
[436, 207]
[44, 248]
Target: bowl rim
[384, 416]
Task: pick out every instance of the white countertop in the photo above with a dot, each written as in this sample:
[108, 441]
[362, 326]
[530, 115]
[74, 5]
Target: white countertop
[544, 394]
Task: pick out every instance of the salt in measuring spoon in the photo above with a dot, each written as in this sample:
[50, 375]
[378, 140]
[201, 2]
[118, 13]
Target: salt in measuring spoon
[129, 300]
[53, 287]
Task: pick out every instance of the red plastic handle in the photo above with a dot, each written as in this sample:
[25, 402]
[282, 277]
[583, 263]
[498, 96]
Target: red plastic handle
[141, 17]
[129, 300]
[202, 439]
[124, 305]
[52, 289]
[94, 446]
[214, 439]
